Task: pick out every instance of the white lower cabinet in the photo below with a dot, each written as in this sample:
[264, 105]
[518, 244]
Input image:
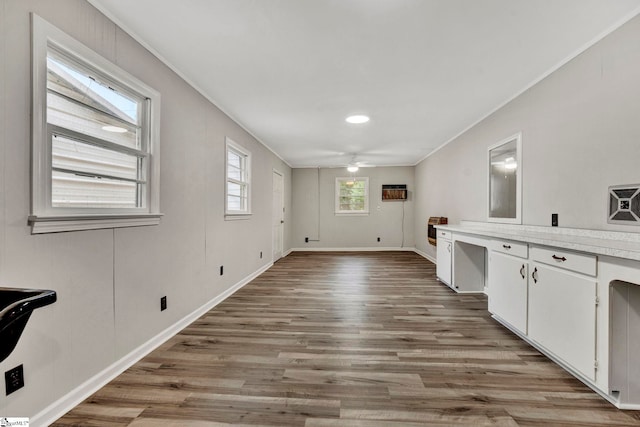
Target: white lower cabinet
[562, 316]
[580, 306]
[550, 296]
[508, 289]
[443, 265]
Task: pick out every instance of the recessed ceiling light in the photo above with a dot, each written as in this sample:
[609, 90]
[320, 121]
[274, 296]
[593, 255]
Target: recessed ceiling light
[357, 119]
[116, 129]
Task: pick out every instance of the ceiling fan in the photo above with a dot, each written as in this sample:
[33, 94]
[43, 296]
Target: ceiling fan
[354, 164]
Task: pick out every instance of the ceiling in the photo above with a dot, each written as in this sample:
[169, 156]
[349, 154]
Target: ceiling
[291, 71]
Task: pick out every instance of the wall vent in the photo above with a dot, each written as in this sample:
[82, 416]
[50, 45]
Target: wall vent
[394, 192]
[624, 204]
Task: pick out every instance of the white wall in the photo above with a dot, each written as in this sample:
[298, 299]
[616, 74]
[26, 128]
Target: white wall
[580, 134]
[314, 211]
[109, 282]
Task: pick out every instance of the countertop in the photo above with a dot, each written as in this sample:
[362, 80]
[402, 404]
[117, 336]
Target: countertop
[600, 242]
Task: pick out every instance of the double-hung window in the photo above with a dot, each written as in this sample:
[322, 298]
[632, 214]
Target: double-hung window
[95, 152]
[238, 180]
[352, 196]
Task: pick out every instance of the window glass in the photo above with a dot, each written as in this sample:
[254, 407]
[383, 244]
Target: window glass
[77, 101]
[352, 195]
[77, 191]
[77, 156]
[96, 161]
[237, 180]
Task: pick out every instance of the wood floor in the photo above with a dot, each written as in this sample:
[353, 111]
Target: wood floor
[347, 339]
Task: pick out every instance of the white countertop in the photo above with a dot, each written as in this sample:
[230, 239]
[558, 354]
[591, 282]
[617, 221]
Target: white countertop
[600, 242]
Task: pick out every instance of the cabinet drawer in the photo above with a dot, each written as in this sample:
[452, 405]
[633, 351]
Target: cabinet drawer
[444, 235]
[573, 261]
[518, 249]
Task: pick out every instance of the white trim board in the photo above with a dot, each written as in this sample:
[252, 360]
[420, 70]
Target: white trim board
[367, 249]
[425, 255]
[63, 405]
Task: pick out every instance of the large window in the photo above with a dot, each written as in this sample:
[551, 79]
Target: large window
[352, 195]
[95, 139]
[238, 180]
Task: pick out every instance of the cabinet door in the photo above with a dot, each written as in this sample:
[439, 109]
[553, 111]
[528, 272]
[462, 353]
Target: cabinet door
[508, 289]
[443, 266]
[562, 316]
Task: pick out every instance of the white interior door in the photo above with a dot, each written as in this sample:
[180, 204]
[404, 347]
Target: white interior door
[278, 215]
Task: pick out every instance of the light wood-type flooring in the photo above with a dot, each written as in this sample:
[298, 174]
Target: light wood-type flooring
[347, 339]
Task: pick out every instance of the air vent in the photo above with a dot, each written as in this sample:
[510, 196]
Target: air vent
[624, 204]
[394, 192]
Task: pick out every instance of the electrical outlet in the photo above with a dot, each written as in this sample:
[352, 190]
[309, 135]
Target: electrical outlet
[306, 240]
[14, 379]
[378, 239]
[221, 270]
[554, 220]
[163, 303]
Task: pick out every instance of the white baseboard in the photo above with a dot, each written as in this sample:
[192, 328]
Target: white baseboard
[425, 255]
[287, 253]
[367, 249]
[63, 405]
[627, 406]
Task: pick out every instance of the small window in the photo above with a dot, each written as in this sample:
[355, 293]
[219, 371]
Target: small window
[238, 180]
[95, 139]
[95, 131]
[352, 195]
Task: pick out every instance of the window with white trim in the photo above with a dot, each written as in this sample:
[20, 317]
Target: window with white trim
[238, 180]
[95, 157]
[352, 195]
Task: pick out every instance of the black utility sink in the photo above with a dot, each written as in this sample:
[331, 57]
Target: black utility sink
[16, 306]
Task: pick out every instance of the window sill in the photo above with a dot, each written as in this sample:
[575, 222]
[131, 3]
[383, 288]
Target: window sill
[236, 217]
[352, 214]
[57, 224]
